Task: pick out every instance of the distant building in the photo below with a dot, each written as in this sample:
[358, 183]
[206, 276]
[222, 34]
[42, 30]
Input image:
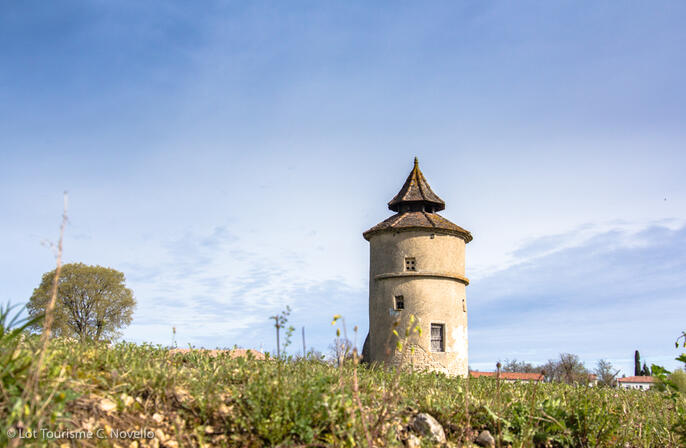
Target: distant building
[592, 380]
[510, 377]
[417, 267]
[636, 382]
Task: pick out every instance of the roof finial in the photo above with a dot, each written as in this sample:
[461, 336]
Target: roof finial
[416, 162]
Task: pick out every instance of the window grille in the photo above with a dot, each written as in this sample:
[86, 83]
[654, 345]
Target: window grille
[410, 264]
[399, 303]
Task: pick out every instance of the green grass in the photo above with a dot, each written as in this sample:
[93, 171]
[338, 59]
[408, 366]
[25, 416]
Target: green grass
[198, 400]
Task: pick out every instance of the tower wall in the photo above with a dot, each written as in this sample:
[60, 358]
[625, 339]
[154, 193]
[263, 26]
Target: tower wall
[434, 293]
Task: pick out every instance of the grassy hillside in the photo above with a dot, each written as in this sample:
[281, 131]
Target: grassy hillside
[195, 399]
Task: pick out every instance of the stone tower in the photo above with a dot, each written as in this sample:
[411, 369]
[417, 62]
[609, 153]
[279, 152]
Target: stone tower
[417, 267]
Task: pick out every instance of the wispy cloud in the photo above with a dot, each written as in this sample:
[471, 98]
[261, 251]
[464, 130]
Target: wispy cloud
[216, 293]
[608, 295]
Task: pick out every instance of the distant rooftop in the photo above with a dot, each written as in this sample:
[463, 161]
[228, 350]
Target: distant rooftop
[637, 379]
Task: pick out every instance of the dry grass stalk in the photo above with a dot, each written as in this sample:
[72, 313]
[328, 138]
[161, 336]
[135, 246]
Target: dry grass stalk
[355, 386]
[358, 400]
[389, 394]
[49, 310]
[497, 397]
[468, 426]
[532, 408]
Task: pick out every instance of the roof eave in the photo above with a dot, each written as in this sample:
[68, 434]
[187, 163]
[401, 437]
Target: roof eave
[465, 235]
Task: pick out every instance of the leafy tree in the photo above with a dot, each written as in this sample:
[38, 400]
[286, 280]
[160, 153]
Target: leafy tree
[93, 302]
[606, 373]
[637, 363]
[667, 382]
[663, 375]
[679, 340]
[678, 379]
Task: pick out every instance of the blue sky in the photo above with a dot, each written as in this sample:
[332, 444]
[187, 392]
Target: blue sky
[227, 156]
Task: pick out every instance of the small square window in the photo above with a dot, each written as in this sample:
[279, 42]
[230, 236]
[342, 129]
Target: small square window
[410, 264]
[399, 303]
[437, 340]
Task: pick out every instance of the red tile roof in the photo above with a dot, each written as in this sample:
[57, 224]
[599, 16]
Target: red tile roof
[637, 379]
[510, 375]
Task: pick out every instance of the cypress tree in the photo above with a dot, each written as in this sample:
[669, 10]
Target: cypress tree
[646, 370]
[637, 363]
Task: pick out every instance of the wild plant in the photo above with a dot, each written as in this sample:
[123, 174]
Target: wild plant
[280, 321]
[342, 355]
[219, 401]
[15, 360]
[667, 384]
[386, 408]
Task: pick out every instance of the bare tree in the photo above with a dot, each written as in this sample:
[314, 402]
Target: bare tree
[340, 349]
[607, 374]
[567, 369]
[519, 366]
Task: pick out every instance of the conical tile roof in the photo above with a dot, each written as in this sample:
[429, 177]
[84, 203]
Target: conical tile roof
[416, 205]
[416, 190]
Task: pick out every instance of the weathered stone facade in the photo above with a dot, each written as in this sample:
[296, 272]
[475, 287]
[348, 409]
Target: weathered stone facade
[417, 267]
